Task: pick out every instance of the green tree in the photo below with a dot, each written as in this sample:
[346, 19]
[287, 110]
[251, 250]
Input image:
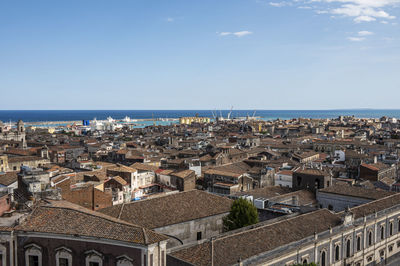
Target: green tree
[242, 213]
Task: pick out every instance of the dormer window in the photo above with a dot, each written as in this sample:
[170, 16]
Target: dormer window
[93, 258]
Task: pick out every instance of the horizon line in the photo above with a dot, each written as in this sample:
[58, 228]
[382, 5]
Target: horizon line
[334, 109]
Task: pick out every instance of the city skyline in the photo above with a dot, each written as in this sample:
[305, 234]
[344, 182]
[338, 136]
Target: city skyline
[264, 55]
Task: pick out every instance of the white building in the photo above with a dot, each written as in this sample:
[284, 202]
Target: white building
[284, 178]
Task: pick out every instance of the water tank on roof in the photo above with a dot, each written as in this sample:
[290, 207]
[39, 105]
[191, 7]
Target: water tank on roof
[260, 203]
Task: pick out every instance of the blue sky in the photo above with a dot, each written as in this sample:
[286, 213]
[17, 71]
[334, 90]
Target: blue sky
[249, 54]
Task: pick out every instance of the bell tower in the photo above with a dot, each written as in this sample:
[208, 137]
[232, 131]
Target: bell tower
[20, 126]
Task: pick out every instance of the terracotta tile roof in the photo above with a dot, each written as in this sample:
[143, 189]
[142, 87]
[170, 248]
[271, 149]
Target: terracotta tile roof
[355, 191]
[8, 178]
[245, 243]
[166, 172]
[285, 172]
[376, 166]
[76, 221]
[266, 192]
[221, 173]
[118, 179]
[24, 159]
[144, 167]
[377, 205]
[122, 168]
[310, 171]
[183, 174]
[170, 209]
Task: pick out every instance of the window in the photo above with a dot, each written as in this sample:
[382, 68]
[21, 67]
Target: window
[337, 254]
[305, 261]
[124, 261]
[3, 252]
[398, 225]
[358, 243]
[93, 258]
[62, 262]
[198, 235]
[298, 181]
[382, 232]
[330, 207]
[323, 258]
[33, 255]
[348, 248]
[390, 248]
[390, 228]
[63, 256]
[370, 238]
[151, 260]
[33, 260]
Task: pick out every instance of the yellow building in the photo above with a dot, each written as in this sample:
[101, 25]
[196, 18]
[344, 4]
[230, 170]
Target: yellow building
[194, 119]
[3, 163]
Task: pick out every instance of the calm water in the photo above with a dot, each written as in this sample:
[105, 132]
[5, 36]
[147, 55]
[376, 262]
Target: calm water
[73, 115]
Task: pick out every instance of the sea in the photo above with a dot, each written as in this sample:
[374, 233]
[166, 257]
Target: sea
[76, 115]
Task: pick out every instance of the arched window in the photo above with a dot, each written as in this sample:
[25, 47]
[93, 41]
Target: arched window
[382, 232]
[391, 228]
[358, 243]
[330, 207]
[337, 253]
[33, 255]
[398, 225]
[63, 257]
[348, 248]
[305, 261]
[370, 238]
[323, 258]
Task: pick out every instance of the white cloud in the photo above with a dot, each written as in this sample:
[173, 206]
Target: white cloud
[277, 4]
[237, 34]
[359, 10]
[365, 33]
[242, 33]
[364, 19]
[169, 19]
[356, 39]
[384, 22]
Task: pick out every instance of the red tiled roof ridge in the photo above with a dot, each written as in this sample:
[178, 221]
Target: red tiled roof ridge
[257, 227]
[91, 213]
